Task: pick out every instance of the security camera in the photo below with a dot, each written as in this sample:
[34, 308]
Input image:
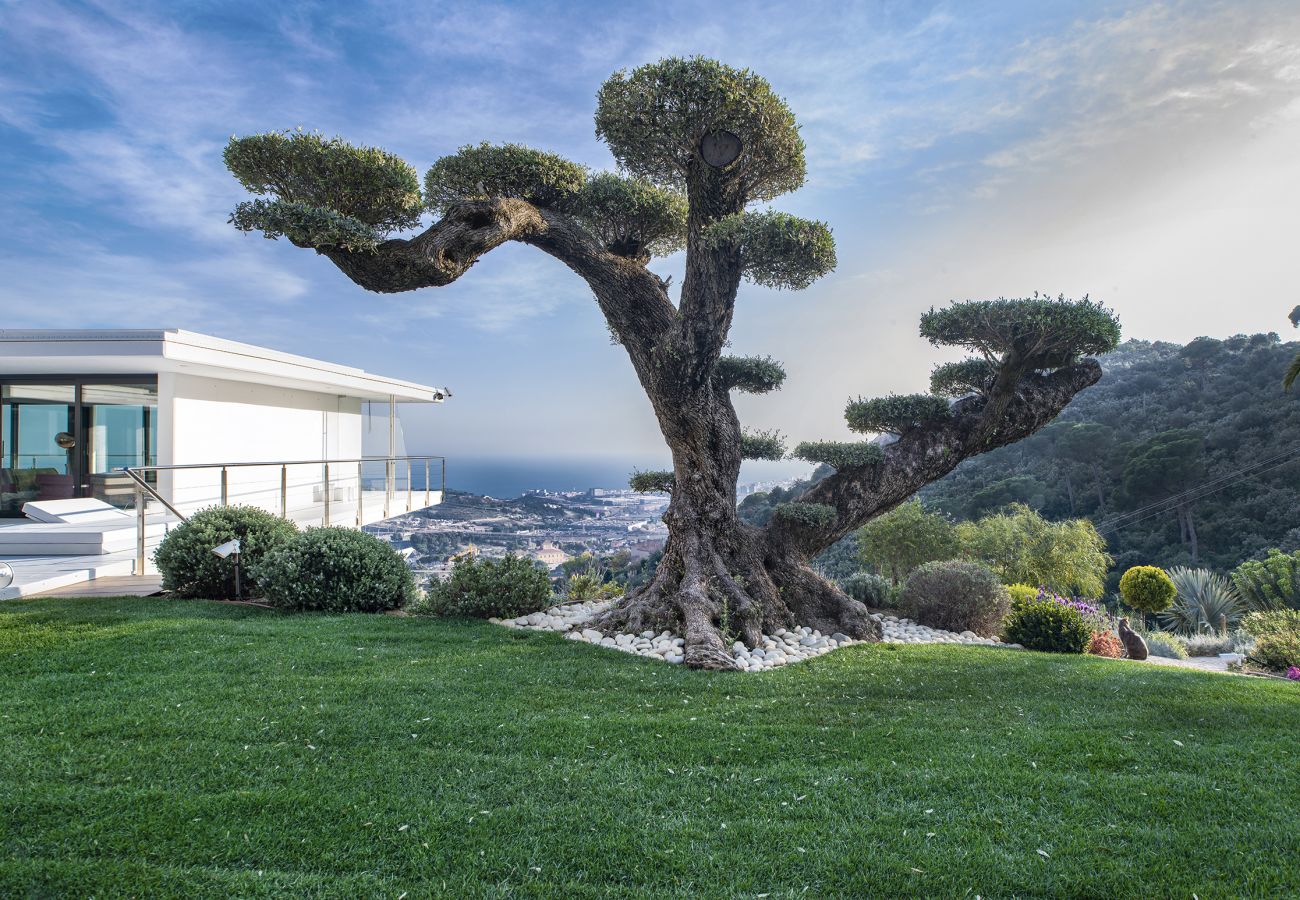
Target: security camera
[229, 548]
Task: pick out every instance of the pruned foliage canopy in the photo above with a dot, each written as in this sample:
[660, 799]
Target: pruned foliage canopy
[808, 515]
[654, 117]
[1034, 333]
[651, 481]
[483, 171]
[632, 217]
[324, 191]
[777, 250]
[896, 413]
[839, 454]
[762, 445]
[969, 376]
[750, 374]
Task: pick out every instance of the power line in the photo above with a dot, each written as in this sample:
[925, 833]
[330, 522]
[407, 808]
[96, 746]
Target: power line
[1177, 498]
[1109, 528]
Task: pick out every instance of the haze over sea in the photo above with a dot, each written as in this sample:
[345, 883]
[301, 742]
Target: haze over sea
[507, 477]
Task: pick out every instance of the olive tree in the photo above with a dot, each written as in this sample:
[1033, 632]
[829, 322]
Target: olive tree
[697, 144]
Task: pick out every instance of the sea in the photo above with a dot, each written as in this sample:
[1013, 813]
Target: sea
[506, 478]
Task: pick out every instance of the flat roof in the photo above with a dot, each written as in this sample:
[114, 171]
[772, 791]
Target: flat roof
[146, 352]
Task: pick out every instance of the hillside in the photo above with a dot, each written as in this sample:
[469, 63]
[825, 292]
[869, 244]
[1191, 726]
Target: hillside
[1209, 417]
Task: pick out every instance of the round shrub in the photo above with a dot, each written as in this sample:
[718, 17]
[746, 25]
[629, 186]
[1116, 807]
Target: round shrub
[872, 590]
[491, 588]
[189, 567]
[1147, 589]
[336, 570]
[956, 596]
[1022, 594]
[1105, 643]
[1049, 626]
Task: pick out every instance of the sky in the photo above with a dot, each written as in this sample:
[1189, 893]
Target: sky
[1144, 154]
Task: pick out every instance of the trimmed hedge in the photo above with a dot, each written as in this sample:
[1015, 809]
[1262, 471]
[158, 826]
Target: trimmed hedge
[336, 570]
[189, 567]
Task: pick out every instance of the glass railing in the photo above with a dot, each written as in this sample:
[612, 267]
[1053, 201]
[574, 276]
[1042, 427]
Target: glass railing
[354, 492]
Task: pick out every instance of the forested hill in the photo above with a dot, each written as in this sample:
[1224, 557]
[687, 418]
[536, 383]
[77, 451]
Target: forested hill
[1164, 420]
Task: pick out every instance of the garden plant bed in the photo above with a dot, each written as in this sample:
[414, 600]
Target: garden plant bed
[781, 648]
[183, 748]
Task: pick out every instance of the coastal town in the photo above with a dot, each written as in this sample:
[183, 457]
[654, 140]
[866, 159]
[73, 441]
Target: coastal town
[549, 527]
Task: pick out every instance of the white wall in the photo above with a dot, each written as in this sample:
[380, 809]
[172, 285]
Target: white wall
[208, 420]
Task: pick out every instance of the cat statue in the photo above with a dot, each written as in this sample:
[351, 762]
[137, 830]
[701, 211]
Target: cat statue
[1134, 646]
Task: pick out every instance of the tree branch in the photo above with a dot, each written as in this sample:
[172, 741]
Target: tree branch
[926, 453]
[634, 301]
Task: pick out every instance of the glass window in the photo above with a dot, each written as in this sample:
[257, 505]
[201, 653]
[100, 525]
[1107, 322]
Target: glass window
[37, 444]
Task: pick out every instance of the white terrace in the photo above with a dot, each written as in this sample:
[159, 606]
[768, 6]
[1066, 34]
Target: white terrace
[108, 438]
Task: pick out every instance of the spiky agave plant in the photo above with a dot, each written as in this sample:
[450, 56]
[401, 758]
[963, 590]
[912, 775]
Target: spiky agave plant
[1204, 600]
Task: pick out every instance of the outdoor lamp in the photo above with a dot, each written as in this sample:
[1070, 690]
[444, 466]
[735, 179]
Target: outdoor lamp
[6, 575]
[230, 549]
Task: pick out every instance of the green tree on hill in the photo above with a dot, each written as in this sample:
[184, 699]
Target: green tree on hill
[1164, 466]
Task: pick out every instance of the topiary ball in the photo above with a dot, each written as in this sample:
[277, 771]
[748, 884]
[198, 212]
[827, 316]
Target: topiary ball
[336, 570]
[1147, 589]
[1048, 626]
[188, 566]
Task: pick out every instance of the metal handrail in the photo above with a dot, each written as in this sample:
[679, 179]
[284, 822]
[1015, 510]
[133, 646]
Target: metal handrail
[142, 486]
[278, 462]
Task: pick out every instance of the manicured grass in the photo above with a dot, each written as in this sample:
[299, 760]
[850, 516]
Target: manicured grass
[152, 747]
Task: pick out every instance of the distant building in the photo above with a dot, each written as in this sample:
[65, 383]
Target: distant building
[550, 555]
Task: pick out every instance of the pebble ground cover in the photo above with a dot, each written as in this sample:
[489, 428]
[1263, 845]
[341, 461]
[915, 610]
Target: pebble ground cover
[152, 747]
[778, 649]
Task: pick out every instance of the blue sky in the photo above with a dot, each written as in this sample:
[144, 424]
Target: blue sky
[1144, 153]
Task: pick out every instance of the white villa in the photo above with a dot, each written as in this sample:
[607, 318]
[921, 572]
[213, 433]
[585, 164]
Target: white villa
[108, 437]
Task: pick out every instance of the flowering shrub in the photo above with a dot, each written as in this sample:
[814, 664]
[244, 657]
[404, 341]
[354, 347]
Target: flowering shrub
[1094, 616]
[1105, 643]
[1293, 673]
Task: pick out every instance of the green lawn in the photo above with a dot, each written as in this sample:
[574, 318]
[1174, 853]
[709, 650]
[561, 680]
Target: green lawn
[152, 747]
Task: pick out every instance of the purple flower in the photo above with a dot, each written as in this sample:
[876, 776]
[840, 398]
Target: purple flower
[1096, 617]
[1293, 673]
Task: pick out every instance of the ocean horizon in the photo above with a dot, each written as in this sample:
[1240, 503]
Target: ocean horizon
[507, 478]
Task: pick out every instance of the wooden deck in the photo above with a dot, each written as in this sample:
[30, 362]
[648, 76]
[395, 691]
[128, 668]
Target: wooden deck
[109, 586]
